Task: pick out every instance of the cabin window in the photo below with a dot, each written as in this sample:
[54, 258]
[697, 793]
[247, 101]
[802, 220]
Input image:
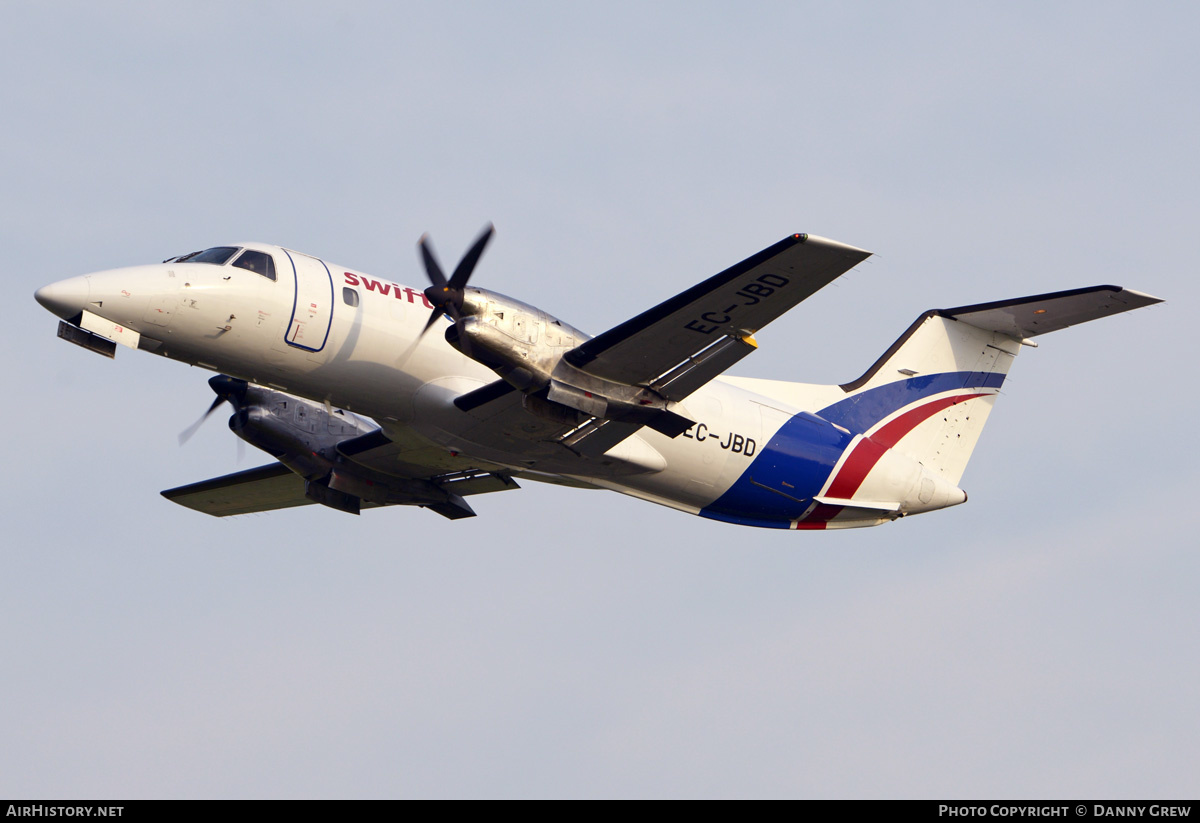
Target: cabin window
[349, 296]
[257, 262]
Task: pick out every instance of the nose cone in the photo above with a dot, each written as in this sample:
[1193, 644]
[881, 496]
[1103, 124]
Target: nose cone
[66, 298]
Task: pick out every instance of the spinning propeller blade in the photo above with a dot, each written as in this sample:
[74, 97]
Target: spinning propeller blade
[228, 389]
[447, 295]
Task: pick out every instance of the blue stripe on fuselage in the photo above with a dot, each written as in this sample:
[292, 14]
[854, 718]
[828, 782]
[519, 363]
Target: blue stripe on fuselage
[807, 447]
[781, 481]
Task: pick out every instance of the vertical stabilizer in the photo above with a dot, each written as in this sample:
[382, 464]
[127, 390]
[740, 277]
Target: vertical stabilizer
[929, 395]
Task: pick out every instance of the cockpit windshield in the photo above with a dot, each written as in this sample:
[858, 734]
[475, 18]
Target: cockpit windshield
[257, 262]
[217, 255]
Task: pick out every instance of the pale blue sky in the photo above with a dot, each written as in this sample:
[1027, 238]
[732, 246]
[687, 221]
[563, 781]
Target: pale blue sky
[1039, 641]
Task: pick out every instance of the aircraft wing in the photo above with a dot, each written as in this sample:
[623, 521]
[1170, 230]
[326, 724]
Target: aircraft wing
[403, 454]
[275, 486]
[254, 490]
[681, 344]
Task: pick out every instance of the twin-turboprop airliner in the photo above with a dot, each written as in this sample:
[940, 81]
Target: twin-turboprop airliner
[332, 372]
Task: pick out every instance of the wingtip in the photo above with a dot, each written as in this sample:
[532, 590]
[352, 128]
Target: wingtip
[817, 240]
[1143, 298]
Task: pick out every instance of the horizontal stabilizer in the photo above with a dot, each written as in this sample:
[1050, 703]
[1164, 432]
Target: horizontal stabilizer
[858, 504]
[1027, 317]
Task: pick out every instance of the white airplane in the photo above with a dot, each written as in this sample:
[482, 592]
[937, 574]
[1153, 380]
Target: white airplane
[330, 371]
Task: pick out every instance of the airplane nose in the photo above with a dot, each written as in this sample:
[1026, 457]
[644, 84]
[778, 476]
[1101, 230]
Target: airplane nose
[66, 298]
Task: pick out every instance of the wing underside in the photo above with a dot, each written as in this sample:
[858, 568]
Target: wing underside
[356, 482]
[255, 490]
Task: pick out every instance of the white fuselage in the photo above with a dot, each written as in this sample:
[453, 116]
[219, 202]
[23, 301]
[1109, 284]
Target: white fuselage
[342, 337]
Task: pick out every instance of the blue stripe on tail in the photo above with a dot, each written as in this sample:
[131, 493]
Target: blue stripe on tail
[861, 411]
[781, 481]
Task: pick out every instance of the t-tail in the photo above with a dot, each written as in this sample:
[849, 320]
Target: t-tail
[897, 440]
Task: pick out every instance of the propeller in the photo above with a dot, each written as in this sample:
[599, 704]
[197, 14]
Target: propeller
[447, 295]
[227, 389]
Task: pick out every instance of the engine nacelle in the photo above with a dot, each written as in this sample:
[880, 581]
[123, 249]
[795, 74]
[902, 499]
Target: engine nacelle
[301, 434]
[325, 446]
[525, 346]
[520, 342]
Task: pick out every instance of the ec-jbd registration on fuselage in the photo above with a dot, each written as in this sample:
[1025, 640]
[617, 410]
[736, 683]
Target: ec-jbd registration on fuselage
[331, 372]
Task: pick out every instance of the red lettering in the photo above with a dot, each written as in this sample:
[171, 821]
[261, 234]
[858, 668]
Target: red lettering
[384, 287]
[375, 285]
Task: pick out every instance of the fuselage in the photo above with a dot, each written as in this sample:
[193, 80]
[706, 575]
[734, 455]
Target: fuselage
[335, 335]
